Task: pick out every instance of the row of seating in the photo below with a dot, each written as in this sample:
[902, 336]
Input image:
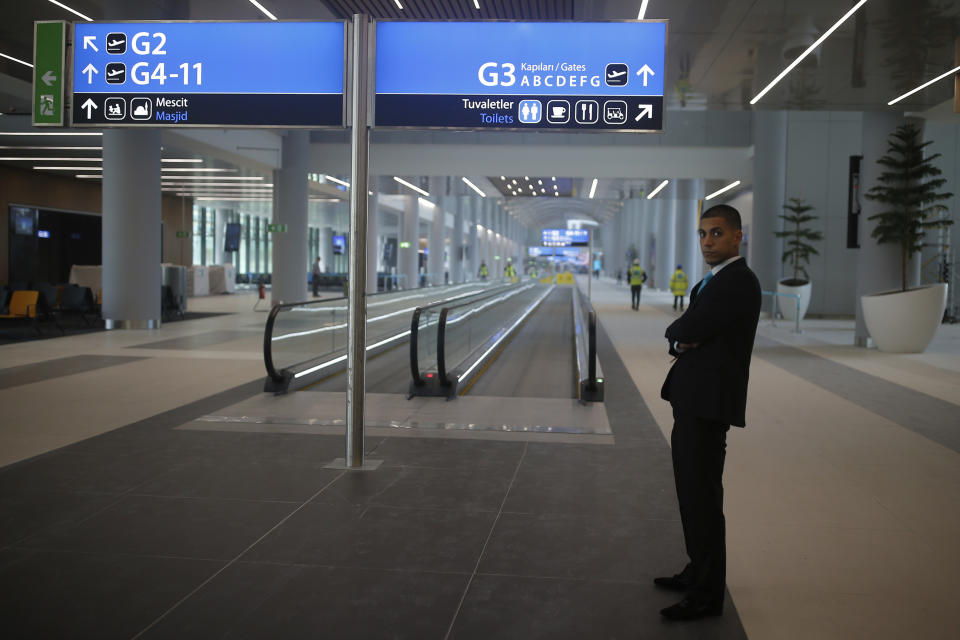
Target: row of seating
[45, 301]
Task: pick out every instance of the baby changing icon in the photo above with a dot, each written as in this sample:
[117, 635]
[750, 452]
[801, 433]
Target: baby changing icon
[530, 111]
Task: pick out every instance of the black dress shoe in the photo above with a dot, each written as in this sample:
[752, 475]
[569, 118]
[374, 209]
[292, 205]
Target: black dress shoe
[674, 583]
[688, 609]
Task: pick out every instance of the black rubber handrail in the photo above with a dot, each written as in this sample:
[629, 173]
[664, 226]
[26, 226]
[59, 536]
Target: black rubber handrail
[592, 351]
[415, 329]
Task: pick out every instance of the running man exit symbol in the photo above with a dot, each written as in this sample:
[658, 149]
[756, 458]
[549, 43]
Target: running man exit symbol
[530, 111]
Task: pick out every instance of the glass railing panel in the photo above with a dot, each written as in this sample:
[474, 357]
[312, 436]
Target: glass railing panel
[470, 326]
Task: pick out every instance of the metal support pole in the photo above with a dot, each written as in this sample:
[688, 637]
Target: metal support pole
[357, 298]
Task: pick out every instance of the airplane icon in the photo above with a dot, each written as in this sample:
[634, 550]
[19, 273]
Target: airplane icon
[115, 43]
[617, 74]
[115, 72]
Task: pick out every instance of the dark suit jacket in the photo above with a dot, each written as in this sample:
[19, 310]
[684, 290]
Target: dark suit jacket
[710, 381]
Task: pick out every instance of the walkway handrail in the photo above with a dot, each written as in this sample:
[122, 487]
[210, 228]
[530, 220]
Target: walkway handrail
[589, 378]
[415, 326]
[773, 314]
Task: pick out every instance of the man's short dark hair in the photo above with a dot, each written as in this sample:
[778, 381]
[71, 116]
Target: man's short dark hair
[725, 211]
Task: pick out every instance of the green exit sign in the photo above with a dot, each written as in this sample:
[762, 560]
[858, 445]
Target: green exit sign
[404, 245]
[49, 43]
[183, 234]
[277, 228]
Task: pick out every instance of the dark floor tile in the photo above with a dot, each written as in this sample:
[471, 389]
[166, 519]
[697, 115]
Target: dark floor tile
[81, 472]
[509, 608]
[612, 548]
[594, 490]
[271, 601]
[181, 527]
[378, 537]
[79, 595]
[25, 513]
[440, 453]
[251, 477]
[466, 489]
[57, 368]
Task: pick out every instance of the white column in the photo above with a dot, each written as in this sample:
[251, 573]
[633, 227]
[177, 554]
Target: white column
[407, 261]
[373, 243]
[476, 205]
[326, 249]
[456, 244]
[666, 235]
[438, 189]
[131, 229]
[688, 244]
[290, 263]
[769, 188]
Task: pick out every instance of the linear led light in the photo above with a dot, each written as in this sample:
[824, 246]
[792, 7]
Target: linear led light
[46, 159]
[234, 199]
[723, 190]
[924, 85]
[51, 133]
[91, 176]
[23, 62]
[809, 50]
[41, 148]
[190, 160]
[399, 6]
[643, 10]
[658, 189]
[473, 186]
[177, 183]
[199, 170]
[64, 168]
[476, 3]
[593, 187]
[73, 11]
[261, 7]
[411, 186]
[338, 181]
[235, 178]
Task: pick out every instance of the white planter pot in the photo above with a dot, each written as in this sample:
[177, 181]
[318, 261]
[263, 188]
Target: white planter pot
[904, 321]
[788, 306]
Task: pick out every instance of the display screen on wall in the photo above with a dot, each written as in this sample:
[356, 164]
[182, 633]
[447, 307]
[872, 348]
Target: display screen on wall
[339, 245]
[565, 237]
[24, 220]
[231, 241]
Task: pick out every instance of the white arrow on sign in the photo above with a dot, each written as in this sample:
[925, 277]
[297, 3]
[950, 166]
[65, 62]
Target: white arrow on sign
[90, 70]
[646, 111]
[48, 78]
[646, 72]
[89, 105]
[90, 42]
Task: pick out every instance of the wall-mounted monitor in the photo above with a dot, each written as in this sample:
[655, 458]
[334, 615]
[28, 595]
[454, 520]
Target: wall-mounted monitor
[339, 245]
[24, 220]
[231, 241]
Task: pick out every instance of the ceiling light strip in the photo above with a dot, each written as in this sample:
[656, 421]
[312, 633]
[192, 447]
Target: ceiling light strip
[809, 50]
[411, 186]
[23, 62]
[473, 186]
[924, 85]
[263, 9]
[643, 10]
[593, 187]
[723, 190]
[73, 11]
[51, 133]
[658, 189]
[338, 181]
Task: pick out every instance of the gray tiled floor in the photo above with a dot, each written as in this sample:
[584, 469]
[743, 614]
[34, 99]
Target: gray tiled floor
[169, 533]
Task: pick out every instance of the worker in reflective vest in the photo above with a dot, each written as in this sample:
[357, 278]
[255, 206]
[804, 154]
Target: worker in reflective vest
[533, 272]
[509, 271]
[484, 272]
[678, 285]
[637, 277]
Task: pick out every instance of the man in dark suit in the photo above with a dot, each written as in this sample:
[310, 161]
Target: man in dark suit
[707, 387]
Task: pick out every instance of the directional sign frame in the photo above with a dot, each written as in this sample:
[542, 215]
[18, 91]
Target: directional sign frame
[344, 106]
[372, 120]
[61, 82]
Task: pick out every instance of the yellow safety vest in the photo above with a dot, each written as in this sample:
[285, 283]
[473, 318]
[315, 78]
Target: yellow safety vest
[484, 272]
[679, 283]
[636, 275]
[509, 271]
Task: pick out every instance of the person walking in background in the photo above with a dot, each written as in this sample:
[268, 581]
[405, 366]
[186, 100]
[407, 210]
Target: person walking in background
[707, 389]
[678, 286]
[619, 277]
[637, 277]
[315, 278]
[483, 272]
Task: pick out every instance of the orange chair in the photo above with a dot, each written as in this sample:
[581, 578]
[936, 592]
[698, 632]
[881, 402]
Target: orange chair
[23, 305]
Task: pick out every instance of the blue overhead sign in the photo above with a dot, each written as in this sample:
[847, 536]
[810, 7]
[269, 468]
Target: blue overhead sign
[519, 75]
[209, 73]
[565, 237]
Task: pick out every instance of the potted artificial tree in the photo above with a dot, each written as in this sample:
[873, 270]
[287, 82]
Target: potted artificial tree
[797, 250]
[905, 320]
